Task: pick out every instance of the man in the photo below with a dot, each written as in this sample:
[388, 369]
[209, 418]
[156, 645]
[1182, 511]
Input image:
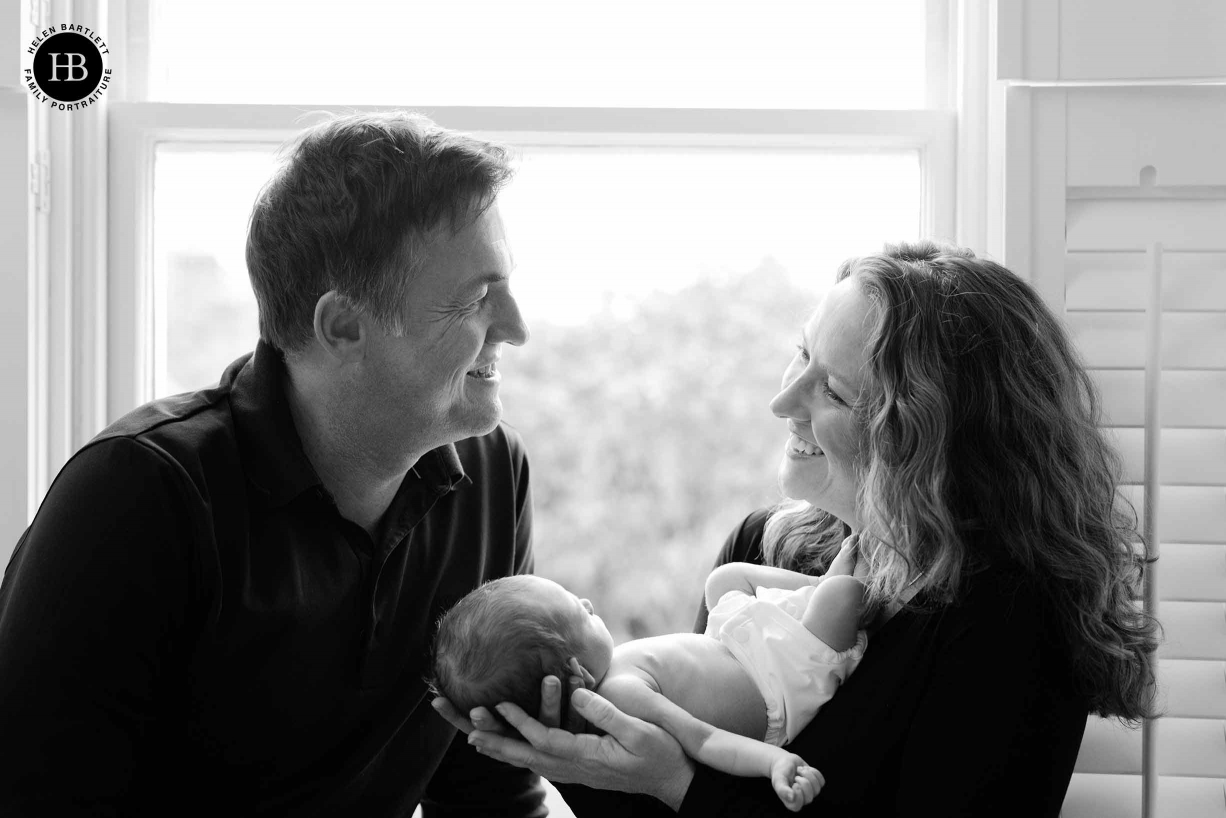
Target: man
[226, 602]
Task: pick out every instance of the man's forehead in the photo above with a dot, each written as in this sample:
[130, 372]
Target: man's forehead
[502, 250]
[470, 259]
[492, 266]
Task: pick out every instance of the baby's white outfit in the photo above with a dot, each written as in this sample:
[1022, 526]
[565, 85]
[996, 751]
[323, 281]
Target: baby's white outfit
[795, 671]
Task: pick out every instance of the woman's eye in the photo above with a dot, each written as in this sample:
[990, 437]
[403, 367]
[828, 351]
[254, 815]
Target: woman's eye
[830, 393]
[804, 353]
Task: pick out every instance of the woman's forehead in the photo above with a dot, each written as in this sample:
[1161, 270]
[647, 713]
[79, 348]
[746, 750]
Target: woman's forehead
[839, 330]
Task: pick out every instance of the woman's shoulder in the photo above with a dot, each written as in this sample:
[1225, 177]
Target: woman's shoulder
[744, 543]
[1002, 595]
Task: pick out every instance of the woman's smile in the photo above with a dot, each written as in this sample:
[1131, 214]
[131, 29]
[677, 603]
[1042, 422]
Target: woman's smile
[801, 448]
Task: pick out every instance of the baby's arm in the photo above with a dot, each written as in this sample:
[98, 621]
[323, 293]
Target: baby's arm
[835, 610]
[794, 782]
[747, 577]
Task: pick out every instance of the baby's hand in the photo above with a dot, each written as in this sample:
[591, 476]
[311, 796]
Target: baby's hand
[795, 782]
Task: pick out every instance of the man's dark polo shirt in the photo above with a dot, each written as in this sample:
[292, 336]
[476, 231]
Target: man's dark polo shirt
[190, 627]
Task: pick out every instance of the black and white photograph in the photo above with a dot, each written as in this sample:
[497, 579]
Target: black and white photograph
[585, 408]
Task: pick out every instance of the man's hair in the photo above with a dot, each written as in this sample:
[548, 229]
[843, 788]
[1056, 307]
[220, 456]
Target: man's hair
[981, 443]
[351, 208]
[497, 644]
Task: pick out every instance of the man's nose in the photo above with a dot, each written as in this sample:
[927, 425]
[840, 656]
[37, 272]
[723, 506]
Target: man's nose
[509, 326]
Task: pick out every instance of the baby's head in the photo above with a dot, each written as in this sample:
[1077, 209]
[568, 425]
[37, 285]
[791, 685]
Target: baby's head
[498, 643]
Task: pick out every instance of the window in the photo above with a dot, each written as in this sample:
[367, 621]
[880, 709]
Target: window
[607, 53]
[667, 252]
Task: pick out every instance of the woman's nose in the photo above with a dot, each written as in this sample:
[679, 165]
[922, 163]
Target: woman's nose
[789, 402]
[587, 605]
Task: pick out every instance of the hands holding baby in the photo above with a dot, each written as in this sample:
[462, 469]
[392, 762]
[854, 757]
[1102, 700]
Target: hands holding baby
[628, 755]
[622, 753]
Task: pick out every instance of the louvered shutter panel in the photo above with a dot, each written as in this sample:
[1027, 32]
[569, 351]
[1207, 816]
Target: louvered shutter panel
[1105, 306]
[1144, 194]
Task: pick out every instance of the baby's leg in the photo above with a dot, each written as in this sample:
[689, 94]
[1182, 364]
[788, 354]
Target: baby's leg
[834, 611]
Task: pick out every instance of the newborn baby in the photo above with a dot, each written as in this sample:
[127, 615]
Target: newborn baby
[777, 646]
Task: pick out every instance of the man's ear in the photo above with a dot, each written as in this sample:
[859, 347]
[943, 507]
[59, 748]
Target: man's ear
[340, 327]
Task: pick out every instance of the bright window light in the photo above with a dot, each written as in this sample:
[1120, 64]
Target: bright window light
[834, 54]
[592, 229]
[664, 289]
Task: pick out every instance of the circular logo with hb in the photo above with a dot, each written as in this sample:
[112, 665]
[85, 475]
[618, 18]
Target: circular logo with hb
[68, 67]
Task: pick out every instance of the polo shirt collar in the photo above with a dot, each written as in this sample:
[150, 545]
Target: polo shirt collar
[441, 469]
[269, 444]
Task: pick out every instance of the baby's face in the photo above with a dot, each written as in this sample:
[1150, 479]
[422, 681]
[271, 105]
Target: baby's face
[596, 651]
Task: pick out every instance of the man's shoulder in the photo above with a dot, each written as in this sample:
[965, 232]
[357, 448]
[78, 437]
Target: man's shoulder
[187, 415]
[182, 429]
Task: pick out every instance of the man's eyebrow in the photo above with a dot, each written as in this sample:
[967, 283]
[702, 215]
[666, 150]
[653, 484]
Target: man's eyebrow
[493, 277]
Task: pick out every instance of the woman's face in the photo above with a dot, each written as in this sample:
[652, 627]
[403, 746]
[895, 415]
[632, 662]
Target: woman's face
[824, 380]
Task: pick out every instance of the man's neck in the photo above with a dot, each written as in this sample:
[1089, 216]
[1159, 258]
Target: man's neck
[362, 479]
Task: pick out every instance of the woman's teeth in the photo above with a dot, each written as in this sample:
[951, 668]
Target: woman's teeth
[800, 446]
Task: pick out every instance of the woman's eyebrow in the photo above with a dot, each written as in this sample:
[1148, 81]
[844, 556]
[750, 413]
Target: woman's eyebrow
[833, 373]
[838, 376]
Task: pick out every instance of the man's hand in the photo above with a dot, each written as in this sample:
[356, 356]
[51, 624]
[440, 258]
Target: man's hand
[631, 756]
[551, 705]
[795, 782]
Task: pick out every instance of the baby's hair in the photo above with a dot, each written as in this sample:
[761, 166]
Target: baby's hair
[495, 645]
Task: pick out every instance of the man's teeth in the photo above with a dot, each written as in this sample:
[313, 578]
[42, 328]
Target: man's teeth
[800, 446]
[486, 371]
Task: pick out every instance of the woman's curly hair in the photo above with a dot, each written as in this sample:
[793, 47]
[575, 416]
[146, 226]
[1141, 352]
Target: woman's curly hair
[982, 443]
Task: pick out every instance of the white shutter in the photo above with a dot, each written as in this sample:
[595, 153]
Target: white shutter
[1114, 167]
[1103, 187]
[1109, 228]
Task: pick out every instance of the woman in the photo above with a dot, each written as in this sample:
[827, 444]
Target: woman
[936, 410]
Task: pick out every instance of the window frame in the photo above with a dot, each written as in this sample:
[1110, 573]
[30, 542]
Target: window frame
[91, 329]
[137, 129]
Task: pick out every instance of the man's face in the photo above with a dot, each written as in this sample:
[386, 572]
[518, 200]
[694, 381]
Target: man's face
[438, 383]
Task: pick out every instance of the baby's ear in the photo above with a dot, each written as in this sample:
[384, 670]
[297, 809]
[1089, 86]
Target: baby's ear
[573, 668]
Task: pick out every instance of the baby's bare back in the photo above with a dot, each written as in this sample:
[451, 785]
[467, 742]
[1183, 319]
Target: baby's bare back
[698, 674]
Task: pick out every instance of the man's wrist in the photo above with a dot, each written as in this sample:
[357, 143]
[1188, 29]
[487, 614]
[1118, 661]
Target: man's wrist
[677, 786]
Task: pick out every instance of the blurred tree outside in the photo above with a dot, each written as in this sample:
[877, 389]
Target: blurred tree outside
[648, 427]
[650, 437]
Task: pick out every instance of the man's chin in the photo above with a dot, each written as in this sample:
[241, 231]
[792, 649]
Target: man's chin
[478, 424]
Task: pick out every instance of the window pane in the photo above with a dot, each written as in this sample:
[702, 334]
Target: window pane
[664, 289]
[616, 53]
[204, 312]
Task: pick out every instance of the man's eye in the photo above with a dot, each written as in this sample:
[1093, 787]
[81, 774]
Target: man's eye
[804, 353]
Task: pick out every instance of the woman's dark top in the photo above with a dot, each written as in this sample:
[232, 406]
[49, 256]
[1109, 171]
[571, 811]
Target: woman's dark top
[958, 710]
